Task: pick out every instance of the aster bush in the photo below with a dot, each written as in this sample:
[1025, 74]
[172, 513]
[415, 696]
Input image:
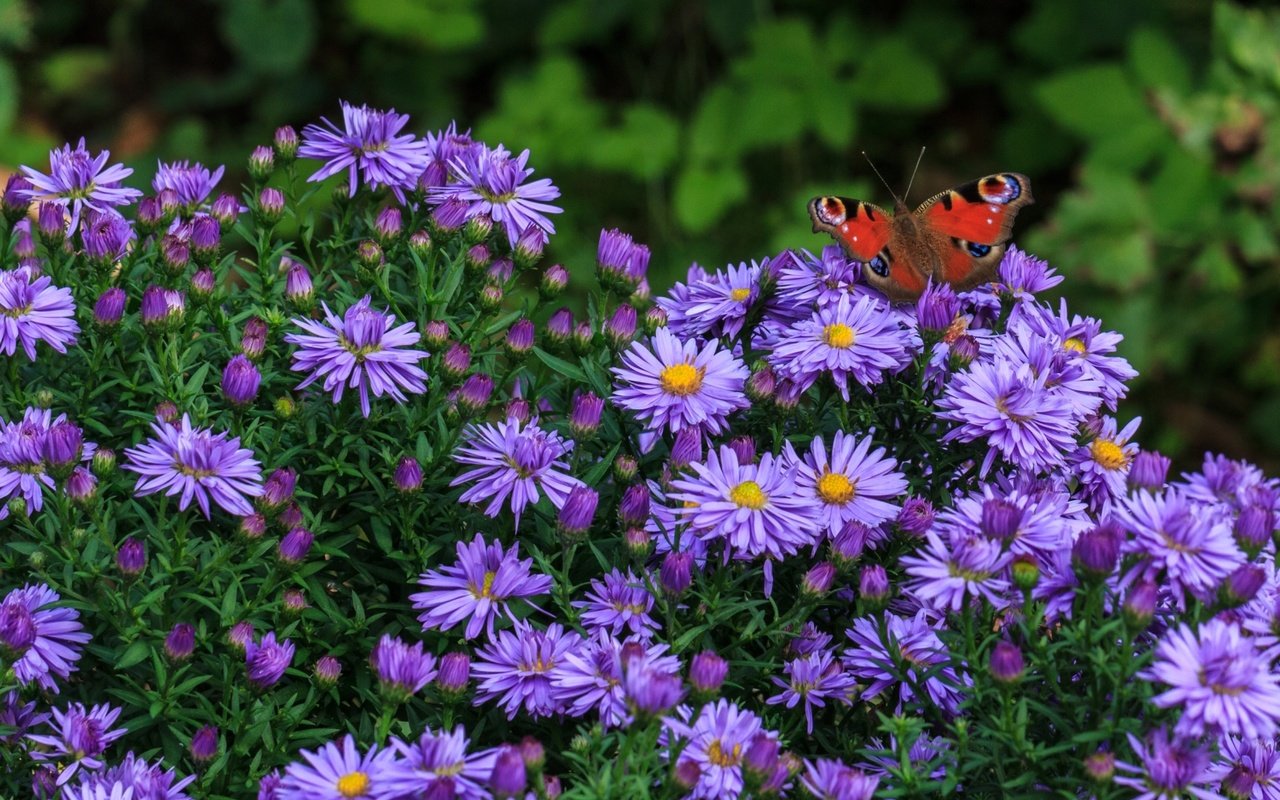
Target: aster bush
[322, 487]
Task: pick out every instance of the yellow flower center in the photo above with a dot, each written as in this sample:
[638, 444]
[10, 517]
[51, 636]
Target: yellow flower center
[353, 784]
[748, 495]
[20, 311]
[1003, 408]
[835, 488]
[361, 353]
[450, 770]
[486, 588]
[681, 379]
[718, 756]
[838, 335]
[1108, 454]
[740, 295]
[1075, 345]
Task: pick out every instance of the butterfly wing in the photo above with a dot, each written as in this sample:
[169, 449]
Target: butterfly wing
[977, 218]
[865, 232]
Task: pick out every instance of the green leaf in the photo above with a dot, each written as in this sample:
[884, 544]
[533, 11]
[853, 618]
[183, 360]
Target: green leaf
[1157, 62]
[133, 654]
[1094, 101]
[270, 36]
[703, 194]
[895, 74]
[560, 365]
[645, 144]
[440, 23]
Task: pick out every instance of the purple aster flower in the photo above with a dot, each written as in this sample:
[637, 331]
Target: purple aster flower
[19, 717]
[192, 182]
[147, 781]
[41, 642]
[81, 181]
[1223, 481]
[1037, 520]
[106, 236]
[362, 349]
[516, 668]
[715, 304]
[675, 384]
[902, 652]
[617, 602]
[1082, 341]
[1255, 760]
[947, 573]
[514, 460]
[716, 741]
[1219, 678]
[478, 586]
[337, 771]
[266, 661]
[1023, 275]
[438, 765]
[807, 281]
[1012, 409]
[369, 147]
[1184, 545]
[849, 484]
[755, 508]
[859, 339]
[1170, 769]
[592, 676]
[827, 779]
[1102, 465]
[34, 310]
[811, 680]
[493, 183]
[402, 669]
[78, 740]
[197, 463]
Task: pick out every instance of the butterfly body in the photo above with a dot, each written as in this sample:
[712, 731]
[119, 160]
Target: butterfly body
[956, 237]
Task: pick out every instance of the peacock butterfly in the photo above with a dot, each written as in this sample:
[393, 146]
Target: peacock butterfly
[957, 236]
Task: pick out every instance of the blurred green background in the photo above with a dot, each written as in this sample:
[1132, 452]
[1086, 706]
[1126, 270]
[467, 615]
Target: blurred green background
[1150, 131]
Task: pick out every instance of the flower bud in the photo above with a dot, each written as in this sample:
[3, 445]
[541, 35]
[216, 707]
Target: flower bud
[1096, 552]
[761, 756]
[262, 162]
[529, 246]
[584, 418]
[474, 395]
[519, 339]
[295, 545]
[490, 297]
[181, 642]
[206, 238]
[240, 382]
[252, 526]
[51, 222]
[203, 284]
[294, 602]
[818, 580]
[1026, 571]
[707, 672]
[509, 776]
[500, 271]
[554, 280]
[103, 462]
[240, 635]
[744, 447]
[447, 219]
[278, 489]
[456, 361]
[285, 143]
[583, 337]
[285, 407]
[15, 201]
[634, 507]
[389, 225]
[532, 752]
[477, 228]
[175, 254]
[625, 468]
[408, 475]
[1100, 767]
[1140, 605]
[1242, 585]
[638, 541]
[82, 486]
[559, 329]
[519, 409]
[162, 309]
[1006, 665]
[686, 449]
[327, 671]
[676, 573]
[226, 210]
[1253, 528]
[873, 586]
[204, 744]
[298, 288]
[454, 675]
[167, 411]
[1149, 470]
[916, 516]
[253, 339]
[369, 254]
[435, 333]
[420, 244]
[963, 352]
[620, 328]
[270, 205]
[131, 557]
[577, 513]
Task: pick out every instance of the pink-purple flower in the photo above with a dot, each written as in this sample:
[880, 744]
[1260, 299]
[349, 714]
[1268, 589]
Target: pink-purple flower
[514, 461]
[81, 181]
[515, 669]
[33, 310]
[41, 640]
[196, 463]
[369, 146]
[491, 181]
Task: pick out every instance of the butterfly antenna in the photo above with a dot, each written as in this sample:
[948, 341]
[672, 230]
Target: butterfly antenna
[920, 158]
[878, 175]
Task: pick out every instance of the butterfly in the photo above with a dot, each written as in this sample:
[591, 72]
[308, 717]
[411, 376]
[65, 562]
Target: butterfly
[957, 236]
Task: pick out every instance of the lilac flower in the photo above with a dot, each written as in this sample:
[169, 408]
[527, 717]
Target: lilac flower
[19, 717]
[715, 304]
[80, 180]
[368, 146]
[34, 310]
[42, 643]
[905, 647]
[1038, 520]
[443, 147]
[1170, 769]
[478, 586]
[827, 779]
[617, 602]
[337, 771]
[1023, 275]
[1254, 759]
[402, 669]
[1082, 341]
[755, 508]
[516, 668]
[811, 680]
[492, 182]
[675, 384]
[191, 182]
[516, 461]
[1102, 465]
[438, 765]
[948, 573]
[849, 484]
[1219, 678]
[265, 662]
[196, 463]
[716, 740]
[106, 236]
[362, 350]
[78, 740]
[591, 677]
[807, 281]
[22, 458]
[147, 781]
[858, 339]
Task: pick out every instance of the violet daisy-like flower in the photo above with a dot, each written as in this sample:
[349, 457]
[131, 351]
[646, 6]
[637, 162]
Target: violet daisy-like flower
[948, 572]
[1082, 341]
[196, 463]
[79, 739]
[81, 181]
[716, 742]
[616, 603]
[673, 384]
[828, 779]
[859, 339]
[42, 642]
[849, 483]
[1170, 769]
[438, 765]
[337, 771]
[1023, 275]
[19, 718]
[34, 310]
[807, 281]
[192, 182]
[1255, 760]
[516, 668]
[1219, 678]
[266, 661]
[23, 459]
[592, 676]
[811, 680]
[755, 509]
[904, 647]
[492, 182]
[1028, 519]
[1186, 546]
[368, 146]
[1102, 465]
[514, 460]
[716, 304]
[477, 588]
[1013, 411]
[363, 349]
[402, 669]
[147, 781]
